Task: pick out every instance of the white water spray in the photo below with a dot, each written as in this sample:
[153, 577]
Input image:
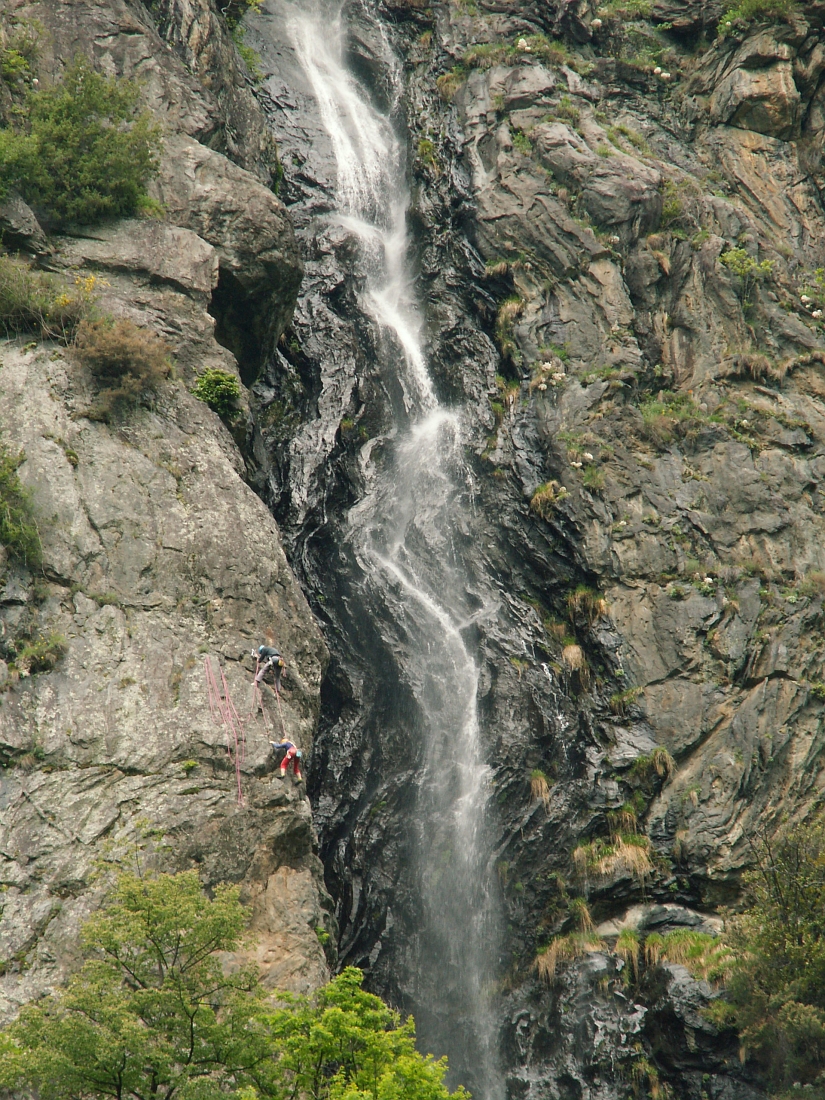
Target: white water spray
[403, 534]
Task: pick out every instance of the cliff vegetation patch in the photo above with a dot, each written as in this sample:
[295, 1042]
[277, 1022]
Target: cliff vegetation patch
[153, 1012]
[18, 530]
[34, 301]
[126, 361]
[82, 150]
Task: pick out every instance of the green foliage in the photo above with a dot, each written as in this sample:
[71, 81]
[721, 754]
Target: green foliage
[740, 263]
[646, 771]
[671, 204]
[128, 363]
[219, 389]
[250, 57]
[18, 531]
[33, 301]
[749, 271]
[546, 498]
[84, 151]
[19, 54]
[522, 143]
[587, 602]
[593, 478]
[705, 956]
[153, 1012]
[508, 311]
[747, 11]
[562, 949]
[777, 987]
[38, 654]
[671, 414]
[620, 702]
[428, 155]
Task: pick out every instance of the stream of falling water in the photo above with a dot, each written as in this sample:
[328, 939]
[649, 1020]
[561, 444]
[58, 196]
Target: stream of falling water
[403, 532]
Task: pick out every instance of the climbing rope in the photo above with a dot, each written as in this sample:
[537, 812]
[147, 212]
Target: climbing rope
[223, 709]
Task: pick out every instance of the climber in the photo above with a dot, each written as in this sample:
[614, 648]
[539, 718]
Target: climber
[268, 657]
[292, 753]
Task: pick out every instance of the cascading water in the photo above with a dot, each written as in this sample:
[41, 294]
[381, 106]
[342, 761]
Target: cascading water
[403, 536]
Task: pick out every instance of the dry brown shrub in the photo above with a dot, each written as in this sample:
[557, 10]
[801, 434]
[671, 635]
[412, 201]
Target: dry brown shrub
[127, 362]
[539, 788]
[565, 949]
[630, 858]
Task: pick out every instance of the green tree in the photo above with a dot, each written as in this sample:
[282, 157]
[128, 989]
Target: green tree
[777, 987]
[84, 150]
[153, 1014]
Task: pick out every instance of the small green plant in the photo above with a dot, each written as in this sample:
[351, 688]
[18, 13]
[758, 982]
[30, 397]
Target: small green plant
[126, 361]
[250, 57]
[628, 948]
[620, 702]
[604, 151]
[749, 11]
[219, 389]
[508, 311]
[593, 478]
[546, 498]
[522, 143]
[647, 770]
[84, 151]
[671, 204]
[705, 956]
[18, 530]
[749, 271]
[449, 83]
[187, 765]
[37, 654]
[428, 155]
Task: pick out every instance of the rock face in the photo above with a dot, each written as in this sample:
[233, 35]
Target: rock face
[622, 230]
[158, 559]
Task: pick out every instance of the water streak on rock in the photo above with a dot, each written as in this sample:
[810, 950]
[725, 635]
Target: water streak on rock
[402, 533]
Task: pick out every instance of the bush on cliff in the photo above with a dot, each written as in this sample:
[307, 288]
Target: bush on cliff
[82, 150]
[776, 993]
[219, 389]
[18, 531]
[155, 1012]
[126, 361]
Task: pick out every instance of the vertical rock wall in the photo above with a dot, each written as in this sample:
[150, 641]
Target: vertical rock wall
[157, 556]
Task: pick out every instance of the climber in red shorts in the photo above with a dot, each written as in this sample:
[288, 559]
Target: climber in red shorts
[291, 754]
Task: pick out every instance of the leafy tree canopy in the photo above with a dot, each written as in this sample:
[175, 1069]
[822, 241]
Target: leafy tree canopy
[777, 987]
[154, 1013]
[83, 150]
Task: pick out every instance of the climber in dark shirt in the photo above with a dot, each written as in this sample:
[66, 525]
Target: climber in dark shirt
[292, 753]
[269, 658]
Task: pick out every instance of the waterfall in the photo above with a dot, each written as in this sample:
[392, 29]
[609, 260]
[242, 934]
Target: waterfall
[403, 533]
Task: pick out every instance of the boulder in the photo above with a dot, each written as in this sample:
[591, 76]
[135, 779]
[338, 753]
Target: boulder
[259, 267]
[19, 228]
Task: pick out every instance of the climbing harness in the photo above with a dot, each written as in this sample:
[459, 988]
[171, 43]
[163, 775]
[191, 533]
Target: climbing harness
[222, 707]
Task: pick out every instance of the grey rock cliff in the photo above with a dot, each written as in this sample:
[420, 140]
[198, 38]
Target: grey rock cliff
[157, 556]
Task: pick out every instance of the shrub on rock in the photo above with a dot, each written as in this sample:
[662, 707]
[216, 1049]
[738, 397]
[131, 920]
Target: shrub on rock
[84, 150]
[126, 361]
